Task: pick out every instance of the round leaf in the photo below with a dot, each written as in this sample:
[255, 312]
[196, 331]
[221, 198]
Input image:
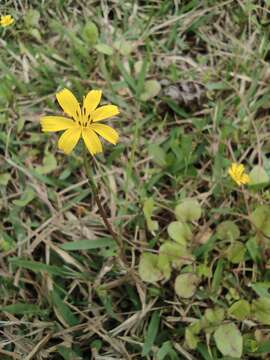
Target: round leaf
[261, 310]
[188, 210]
[179, 232]
[258, 175]
[90, 33]
[229, 340]
[148, 268]
[261, 218]
[176, 254]
[186, 284]
[240, 310]
[236, 252]
[151, 89]
[228, 230]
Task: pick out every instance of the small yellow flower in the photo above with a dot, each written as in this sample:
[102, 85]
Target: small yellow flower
[237, 173]
[6, 20]
[83, 121]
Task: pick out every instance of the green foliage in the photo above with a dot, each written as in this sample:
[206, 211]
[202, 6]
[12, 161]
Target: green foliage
[228, 230]
[229, 340]
[90, 33]
[188, 210]
[151, 334]
[236, 252]
[186, 284]
[148, 268]
[151, 89]
[240, 310]
[179, 232]
[261, 310]
[148, 209]
[258, 175]
[261, 218]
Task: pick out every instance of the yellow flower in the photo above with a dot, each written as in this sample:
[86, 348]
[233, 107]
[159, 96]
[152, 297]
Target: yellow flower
[237, 173]
[6, 20]
[83, 122]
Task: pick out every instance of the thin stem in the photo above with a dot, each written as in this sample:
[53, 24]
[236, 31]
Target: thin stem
[102, 212]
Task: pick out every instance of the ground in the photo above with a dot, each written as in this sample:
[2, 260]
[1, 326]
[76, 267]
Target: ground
[188, 274]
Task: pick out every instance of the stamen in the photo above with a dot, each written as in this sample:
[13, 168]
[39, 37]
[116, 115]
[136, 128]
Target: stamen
[84, 111]
[80, 123]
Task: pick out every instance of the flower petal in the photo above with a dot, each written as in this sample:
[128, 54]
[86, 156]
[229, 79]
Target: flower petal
[91, 101]
[69, 103]
[69, 139]
[106, 132]
[245, 179]
[104, 112]
[92, 141]
[56, 123]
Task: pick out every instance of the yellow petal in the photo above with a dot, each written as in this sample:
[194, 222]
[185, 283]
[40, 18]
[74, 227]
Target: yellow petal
[104, 112]
[69, 103]
[106, 132]
[92, 141]
[56, 123]
[69, 139]
[91, 101]
[245, 179]
[6, 20]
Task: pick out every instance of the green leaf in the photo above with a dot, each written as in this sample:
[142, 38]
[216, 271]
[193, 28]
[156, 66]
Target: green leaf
[148, 208]
[186, 284]
[63, 310]
[4, 179]
[151, 89]
[123, 46]
[104, 49]
[28, 195]
[261, 310]
[164, 266]
[236, 252]
[158, 154]
[217, 278]
[166, 351]
[88, 244]
[67, 353]
[151, 334]
[179, 232]
[21, 309]
[39, 267]
[261, 288]
[49, 164]
[190, 339]
[229, 340]
[228, 230]
[177, 254]
[254, 249]
[90, 33]
[212, 318]
[258, 175]
[188, 210]
[240, 310]
[148, 268]
[35, 33]
[31, 18]
[261, 218]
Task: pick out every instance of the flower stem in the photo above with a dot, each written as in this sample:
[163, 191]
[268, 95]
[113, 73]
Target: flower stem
[91, 181]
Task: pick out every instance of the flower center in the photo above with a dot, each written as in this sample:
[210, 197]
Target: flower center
[83, 118]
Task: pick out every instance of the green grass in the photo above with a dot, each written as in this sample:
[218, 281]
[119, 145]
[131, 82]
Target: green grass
[192, 81]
